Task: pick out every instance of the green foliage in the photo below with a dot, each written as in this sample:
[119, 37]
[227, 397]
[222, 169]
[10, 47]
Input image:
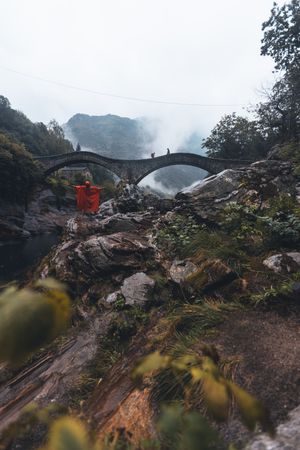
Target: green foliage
[281, 41]
[58, 185]
[236, 137]
[283, 231]
[185, 431]
[279, 115]
[276, 226]
[119, 304]
[19, 173]
[36, 137]
[272, 295]
[281, 38]
[277, 119]
[291, 152]
[126, 324]
[31, 318]
[175, 235]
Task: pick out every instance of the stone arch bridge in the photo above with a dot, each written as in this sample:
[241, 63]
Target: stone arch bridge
[134, 170]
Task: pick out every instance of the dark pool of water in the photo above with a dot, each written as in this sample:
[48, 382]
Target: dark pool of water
[17, 257]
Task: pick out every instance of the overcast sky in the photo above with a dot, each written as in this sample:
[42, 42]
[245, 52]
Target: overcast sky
[188, 51]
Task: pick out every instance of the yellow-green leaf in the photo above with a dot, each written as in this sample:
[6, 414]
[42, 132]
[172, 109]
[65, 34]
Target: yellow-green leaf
[252, 410]
[51, 283]
[30, 319]
[196, 373]
[154, 361]
[68, 433]
[216, 397]
[209, 366]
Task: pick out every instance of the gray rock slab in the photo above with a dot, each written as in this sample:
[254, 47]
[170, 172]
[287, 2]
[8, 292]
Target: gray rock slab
[137, 289]
[287, 436]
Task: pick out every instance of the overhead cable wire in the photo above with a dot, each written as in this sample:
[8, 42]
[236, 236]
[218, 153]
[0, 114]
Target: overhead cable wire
[122, 97]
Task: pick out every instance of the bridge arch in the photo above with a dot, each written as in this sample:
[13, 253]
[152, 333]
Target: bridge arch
[134, 170]
[162, 166]
[60, 165]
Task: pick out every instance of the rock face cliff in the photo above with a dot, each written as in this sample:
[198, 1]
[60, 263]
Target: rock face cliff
[148, 274]
[46, 213]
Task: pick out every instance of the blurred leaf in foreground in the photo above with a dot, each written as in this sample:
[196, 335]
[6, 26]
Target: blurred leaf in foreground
[251, 409]
[185, 431]
[31, 318]
[154, 361]
[68, 433]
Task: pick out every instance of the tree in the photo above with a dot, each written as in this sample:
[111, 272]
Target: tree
[55, 129]
[281, 38]
[236, 137]
[78, 147]
[279, 116]
[281, 41]
[4, 102]
[36, 137]
[18, 171]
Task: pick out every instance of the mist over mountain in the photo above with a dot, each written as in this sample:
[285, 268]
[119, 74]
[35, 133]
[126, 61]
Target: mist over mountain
[121, 137]
[109, 135]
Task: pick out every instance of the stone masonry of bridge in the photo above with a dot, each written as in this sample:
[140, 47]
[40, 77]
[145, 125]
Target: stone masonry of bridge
[134, 170]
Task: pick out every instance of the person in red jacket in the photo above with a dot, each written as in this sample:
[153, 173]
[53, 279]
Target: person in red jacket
[88, 197]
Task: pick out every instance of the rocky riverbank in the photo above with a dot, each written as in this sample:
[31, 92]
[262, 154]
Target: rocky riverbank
[149, 274]
[45, 213]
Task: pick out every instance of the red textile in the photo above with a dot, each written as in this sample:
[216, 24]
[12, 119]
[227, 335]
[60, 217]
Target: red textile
[88, 198]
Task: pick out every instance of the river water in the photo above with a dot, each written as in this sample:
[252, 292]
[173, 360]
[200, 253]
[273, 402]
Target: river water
[17, 257]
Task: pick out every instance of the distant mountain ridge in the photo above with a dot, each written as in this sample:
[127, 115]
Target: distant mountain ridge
[110, 135]
[121, 137]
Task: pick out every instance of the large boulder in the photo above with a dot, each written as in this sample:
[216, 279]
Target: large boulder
[257, 182]
[75, 261]
[82, 226]
[100, 254]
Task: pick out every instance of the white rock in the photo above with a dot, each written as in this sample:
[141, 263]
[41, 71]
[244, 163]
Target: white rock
[280, 261]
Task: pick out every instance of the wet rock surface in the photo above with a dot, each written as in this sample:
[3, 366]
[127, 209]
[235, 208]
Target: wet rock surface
[45, 213]
[287, 436]
[256, 182]
[75, 261]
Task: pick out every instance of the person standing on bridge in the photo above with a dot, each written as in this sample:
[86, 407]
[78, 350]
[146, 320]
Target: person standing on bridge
[168, 151]
[88, 197]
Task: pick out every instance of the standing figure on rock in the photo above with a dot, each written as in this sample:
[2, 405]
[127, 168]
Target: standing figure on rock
[88, 197]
